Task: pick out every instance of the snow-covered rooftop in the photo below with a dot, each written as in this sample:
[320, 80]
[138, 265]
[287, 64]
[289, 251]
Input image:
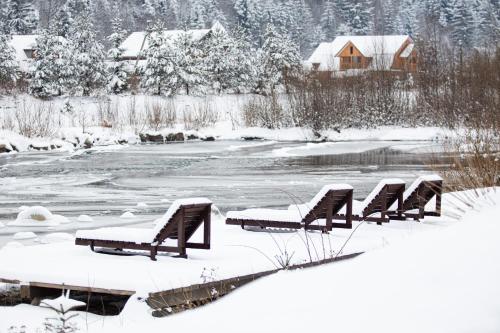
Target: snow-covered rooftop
[23, 44]
[137, 41]
[383, 48]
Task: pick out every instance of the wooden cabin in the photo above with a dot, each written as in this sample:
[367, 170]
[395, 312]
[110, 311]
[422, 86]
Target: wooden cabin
[396, 53]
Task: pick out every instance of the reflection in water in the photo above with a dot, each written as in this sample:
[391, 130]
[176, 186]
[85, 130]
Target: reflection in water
[97, 182]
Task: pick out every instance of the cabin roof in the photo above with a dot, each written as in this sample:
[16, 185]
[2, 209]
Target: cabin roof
[381, 47]
[137, 41]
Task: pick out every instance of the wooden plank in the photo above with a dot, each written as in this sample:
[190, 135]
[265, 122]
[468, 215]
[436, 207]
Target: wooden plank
[159, 301]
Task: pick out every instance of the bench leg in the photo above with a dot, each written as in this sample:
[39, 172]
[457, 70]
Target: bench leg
[153, 252]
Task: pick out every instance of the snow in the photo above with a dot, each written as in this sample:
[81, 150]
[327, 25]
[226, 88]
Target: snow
[62, 303]
[137, 41]
[383, 48]
[84, 218]
[434, 276]
[22, 43]
[2, 225]
[289, 215]
[379, 187]
[127, 215]
[37, 216]
[142, 205]
[13, 245]
[57, 237]
[407, 51]
[24, 235]
[137, 235]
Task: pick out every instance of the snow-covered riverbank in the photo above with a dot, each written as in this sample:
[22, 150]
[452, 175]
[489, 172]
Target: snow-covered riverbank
[68, 124]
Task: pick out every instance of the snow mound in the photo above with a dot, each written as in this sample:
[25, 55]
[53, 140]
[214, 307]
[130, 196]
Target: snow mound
[24, 235]
[57, 237]
[2, 225]
[13, 245]
[62, 303]
[20, 209]
[85, 218]
[165, 200]
[127, 215]
[36, 216]
[142, 205]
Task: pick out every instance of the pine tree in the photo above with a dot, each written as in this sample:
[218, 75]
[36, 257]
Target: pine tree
[197, 16]
[278, 58]
[117, 79]
[21, 17]
[158, 76]
[214, 13]
[61, 24]
[248, 17]
[88, 54]
[188, 63]
[51, 71]
[328, 20]
[226, 61]
[407, 18]
[359, 18]
[8, 63]
[462, 24]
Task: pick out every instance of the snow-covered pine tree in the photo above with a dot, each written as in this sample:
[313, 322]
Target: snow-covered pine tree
[329, 20]
[188, 63]
[21, 17]
[359, 17]
[8, 63]
[197, 15]
[213, 12]
[486, 24]
[462, 24]
[61, 24]
[248, 17]
[118, 76]
[88, 54]
[407, 18]
[159, 74]
[279, 57]
[226, 61]
[50, 73]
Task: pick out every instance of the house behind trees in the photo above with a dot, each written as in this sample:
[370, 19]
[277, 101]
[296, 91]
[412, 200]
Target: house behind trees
[134, 45]
[364, 53]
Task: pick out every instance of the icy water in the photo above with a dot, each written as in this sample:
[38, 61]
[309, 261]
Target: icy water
[107, 181]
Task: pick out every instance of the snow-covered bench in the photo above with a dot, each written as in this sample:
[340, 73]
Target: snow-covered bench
[417, 196]
[180, 222]
[374, 207]
[317, 215]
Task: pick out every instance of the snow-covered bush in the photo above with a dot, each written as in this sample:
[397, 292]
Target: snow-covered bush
[34, 118]
[160, 114]
[265, 111]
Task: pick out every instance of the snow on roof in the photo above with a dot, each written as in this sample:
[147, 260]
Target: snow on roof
[324, 55]
[137, 41]
[22, 43]
[407, 51]
[381, 47]
[373, 45]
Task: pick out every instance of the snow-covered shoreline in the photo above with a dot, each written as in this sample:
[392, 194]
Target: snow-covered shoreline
[74, 123]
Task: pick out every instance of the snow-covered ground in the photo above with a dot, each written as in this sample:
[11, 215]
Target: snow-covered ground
[440, 275]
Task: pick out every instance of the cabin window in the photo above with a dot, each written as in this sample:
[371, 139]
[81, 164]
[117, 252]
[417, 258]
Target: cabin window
[356, 60]
[346, 60]
[351, 49]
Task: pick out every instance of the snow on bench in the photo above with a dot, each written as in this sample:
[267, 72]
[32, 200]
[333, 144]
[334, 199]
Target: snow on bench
[415, 185]
[138, 235]
[357, 206]
[289, 215]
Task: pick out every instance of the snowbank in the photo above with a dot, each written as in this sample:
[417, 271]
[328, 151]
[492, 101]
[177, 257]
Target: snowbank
[37, 216]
